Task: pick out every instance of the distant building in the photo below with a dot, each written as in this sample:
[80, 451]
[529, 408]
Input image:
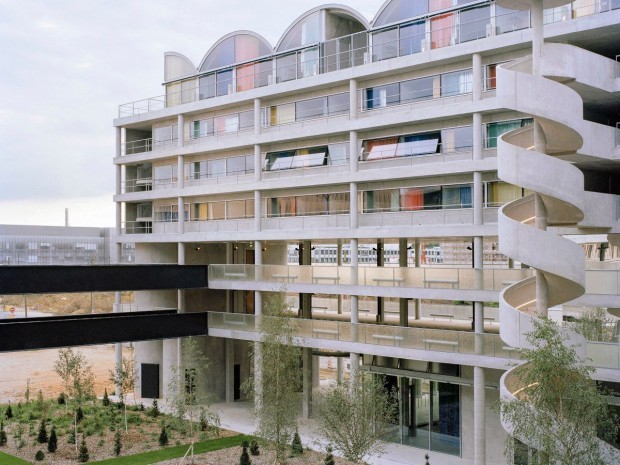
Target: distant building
[59, 245]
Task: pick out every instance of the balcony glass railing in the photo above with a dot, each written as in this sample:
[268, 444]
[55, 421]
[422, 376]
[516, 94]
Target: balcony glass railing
[460, 342]
[430, 278]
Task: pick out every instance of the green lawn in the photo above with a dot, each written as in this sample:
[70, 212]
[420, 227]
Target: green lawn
[155, 456]
[7, 459]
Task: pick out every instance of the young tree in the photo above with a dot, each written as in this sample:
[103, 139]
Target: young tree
[187, 387]
[52, 443]
[42, 436]
[558, 409]
[296, 447]
[275, 410]
[106, 399]
[8, 413]
[163, 436]
[329, 457]
[356, 414]
[596, 325]
[2, 434]
[83, 456]
[118, 445]
[77, 375]
[245, 458]
[125, 376]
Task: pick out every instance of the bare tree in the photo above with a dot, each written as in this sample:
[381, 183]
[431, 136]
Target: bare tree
[355, 414]
[187, 390]
[124, 375]
[277, 408]
[76, 373]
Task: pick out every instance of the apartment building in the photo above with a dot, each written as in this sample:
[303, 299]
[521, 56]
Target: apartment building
[445, 132]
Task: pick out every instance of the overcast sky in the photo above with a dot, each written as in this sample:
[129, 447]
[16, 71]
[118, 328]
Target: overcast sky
[68, 64]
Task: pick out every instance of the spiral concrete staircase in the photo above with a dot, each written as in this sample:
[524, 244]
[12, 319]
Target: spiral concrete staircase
[533, 157]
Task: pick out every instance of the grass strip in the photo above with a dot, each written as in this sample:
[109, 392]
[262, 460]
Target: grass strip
[6, 459]
[168, 453]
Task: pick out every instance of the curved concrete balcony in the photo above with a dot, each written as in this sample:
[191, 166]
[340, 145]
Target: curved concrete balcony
[448, 283]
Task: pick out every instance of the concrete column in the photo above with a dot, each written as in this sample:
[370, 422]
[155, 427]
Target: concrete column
[479, 417]
[540, 140]
[540, 212]
[354, 358]
[119, 141]
[258, 163]
[181, 292]
[417, 259]
[477, 143]
[258, 261]
[403, 309]
[258, 214]
[353, 151]
[257, 117]
[118, 347]
[181, 215]
[537, 16]
[305, 299]
[180, 132]
[307, 382]
[119, 186]
[477, 77]
[230, 371]
[478, 199]
[353, 105]
[181, 172]
[316, 367]
[380, 301]
[258, 311]
[353, 206]
[339, 370]
[339, 263]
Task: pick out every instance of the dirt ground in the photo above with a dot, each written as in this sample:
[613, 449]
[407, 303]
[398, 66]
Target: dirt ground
[36, 368]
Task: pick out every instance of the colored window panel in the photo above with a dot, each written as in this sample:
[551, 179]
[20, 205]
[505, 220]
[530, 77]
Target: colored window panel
[442, 30]
[245, 77]
[399, 10]
[224, 82]
[381, 148]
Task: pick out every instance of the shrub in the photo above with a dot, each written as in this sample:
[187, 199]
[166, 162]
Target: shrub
[154, 410]
[39, 456]
[329, 458]
[245, 458]
[296, 447]
[163, 436]
[426, 457]
[2, 434]
[62, 400]
[71, 439]
[83, 452]
[79, 415]
[52, 443]
[106, 400]
[42, 437]
[254, 450]
[118, 445]
[9, 412]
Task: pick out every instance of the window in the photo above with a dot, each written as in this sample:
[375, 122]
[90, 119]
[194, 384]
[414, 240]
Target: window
[164, 175]
[282, 114]
[166, 214]
[263, 73]
[473, 23]
[490, 78]
[382, 96]
[338, 154]
[286, 67]
[456, 139]
[418, 89]
[202, 128]
[385, 44]
[300, 158]
[338, 103]
[442, 30]
[507, 20]
[226, 124]
[311, 108]
[309, 205]
[418, 198]
[308, 62]
[459, 82]
[224, 82]
[411, 37]
[494, 130]
[207, 86]
[164, 137]
[239, 209]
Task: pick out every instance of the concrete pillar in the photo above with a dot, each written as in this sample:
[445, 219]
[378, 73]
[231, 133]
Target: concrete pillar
[316, 367]
[307, 382]
[339, 263]
[180, 216]
[380, 263]
[171, 357]
[305, 299]
[477, 142]
[339, 370]
[540, 140]
[119, 186]
[353, 105]
[257, 117]
[230, 371]
[353, 151]
[181, 292]
[417, 259]
[479, 417]
[403, 309]
[258, 261]
[118, 347]
[542, 298]
[477, 78]
[181, 172]
[537, 17]
[257, 211]
[478, 199]
[258, 163]
[119, 141]
[180, 132]
[353, 206]
[354, 358]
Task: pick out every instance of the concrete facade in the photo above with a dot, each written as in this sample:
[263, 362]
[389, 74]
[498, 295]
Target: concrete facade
[405, 134]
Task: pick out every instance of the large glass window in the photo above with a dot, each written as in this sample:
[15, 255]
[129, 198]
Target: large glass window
[281, 114]
[164, 137]
[417, 89]
[224, 82]
[207, 86]
[473, 23]
[263, 73]
[494, 130]
[286, 67]
[305, 32]
[442, 30]
[308, 62]
[382, 96]
[308, 205]
[507, 20]
[164, 175]
[459, 82]
[311, 108]
[399, 10]
[418, 198]
[300, 158]
[411, 37]
[457, 139]
[385, 44]
[338, 103]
